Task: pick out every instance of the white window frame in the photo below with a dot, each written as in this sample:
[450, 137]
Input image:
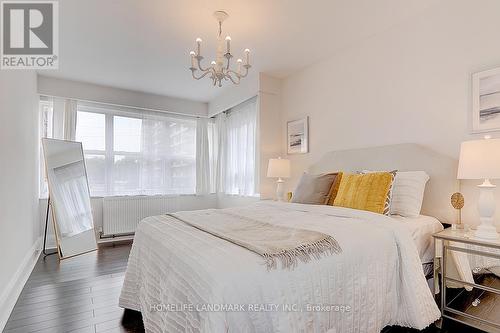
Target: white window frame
[110, 111]
[109, 152]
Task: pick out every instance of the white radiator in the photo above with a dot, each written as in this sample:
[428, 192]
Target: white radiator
[122, 214]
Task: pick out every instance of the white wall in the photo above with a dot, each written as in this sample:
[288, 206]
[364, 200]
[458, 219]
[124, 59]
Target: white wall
[411, 83]
[270, 131]
[103, 94]
[19, 231]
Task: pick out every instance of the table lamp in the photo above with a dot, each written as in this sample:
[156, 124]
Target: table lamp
[279, 168]
[480, 159]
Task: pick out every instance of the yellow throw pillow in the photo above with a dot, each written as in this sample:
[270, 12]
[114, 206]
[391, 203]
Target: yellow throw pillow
[365, 192]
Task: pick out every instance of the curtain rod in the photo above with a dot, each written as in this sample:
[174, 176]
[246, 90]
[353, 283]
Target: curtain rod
[228, 110]
[128, 106]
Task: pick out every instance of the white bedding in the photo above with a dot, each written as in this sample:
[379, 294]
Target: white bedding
[176, 272]
[421, 229]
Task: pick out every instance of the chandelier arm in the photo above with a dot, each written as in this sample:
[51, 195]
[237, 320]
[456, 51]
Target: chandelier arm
[198, 61]
[229, 72]
[233, 72]
[246, 71]
[228, 57]
[239, 75]
[202, 75]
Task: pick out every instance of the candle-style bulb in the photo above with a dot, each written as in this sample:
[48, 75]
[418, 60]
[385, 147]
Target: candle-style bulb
[247, 53]
[228, 44]
[213, 63]
[193, 62]
[198, 46]
[239, 61]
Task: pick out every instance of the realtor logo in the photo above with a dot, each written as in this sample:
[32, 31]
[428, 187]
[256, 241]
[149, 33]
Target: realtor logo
[29, 33]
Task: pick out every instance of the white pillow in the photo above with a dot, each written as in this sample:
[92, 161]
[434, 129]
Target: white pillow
[408, 193]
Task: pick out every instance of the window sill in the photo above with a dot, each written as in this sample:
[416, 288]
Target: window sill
[147, 195]
[255, 196]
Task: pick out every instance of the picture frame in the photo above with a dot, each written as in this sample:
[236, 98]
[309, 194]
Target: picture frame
[486, 101]
[298, 136]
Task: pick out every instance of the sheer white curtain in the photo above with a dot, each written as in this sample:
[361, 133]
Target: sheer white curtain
[203, 174]
[64, 118]
[132, 152]
[219, 152]
[237, 150]
[167, 160]
[57, 121]
[70, 109]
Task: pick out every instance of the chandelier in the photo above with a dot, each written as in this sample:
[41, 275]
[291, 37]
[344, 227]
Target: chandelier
[220, 67]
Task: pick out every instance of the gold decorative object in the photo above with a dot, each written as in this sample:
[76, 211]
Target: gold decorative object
[458, 201]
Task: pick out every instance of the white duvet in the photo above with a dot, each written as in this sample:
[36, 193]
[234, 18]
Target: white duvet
[185, 280]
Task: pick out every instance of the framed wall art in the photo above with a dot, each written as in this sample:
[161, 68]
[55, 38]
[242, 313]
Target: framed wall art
[298, 136]
[486, 101]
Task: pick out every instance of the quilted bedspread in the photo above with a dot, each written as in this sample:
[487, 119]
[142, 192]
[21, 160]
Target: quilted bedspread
[185, 280]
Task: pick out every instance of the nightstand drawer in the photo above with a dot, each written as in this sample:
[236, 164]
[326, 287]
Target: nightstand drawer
[470, 262]
[474, 307]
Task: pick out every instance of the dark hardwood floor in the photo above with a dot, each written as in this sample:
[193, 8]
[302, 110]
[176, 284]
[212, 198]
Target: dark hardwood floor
[80, 294]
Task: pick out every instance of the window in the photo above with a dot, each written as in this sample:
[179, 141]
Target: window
[137, 152]
[132, 152]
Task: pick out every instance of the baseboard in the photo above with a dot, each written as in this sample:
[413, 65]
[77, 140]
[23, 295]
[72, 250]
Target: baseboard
[51, 247]
[13, 289]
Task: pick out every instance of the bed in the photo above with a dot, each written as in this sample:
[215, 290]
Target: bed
[421, 230]
[185, 280]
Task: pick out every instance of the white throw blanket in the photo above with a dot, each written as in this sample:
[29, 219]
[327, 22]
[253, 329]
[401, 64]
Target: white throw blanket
[272, 242]
[185, 280]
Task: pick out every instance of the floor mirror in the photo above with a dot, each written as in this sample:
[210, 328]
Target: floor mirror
[69, 197]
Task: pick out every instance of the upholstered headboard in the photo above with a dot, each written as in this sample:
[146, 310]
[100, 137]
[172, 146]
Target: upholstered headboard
[442, 170]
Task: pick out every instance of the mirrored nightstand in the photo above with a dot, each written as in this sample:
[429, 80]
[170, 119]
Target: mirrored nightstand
[463, 274]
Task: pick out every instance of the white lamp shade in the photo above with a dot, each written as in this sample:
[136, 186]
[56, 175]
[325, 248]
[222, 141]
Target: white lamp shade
[278, 168]
[479, 159]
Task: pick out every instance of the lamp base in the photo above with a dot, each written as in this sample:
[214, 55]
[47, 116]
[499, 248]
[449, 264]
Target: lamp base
[279, 189]
[486, 207]
[486, 232]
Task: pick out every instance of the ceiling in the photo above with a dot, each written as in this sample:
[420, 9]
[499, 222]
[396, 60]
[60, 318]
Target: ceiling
[144, 45]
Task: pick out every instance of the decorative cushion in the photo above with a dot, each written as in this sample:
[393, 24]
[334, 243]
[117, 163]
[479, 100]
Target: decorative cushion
[408, 193]
[364, 191]
[388, 201]
[314, 189]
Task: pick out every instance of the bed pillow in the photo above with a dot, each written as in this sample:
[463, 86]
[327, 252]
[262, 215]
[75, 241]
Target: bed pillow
[364, 191]
[388, 200]
[408, 193]
[314, 189]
